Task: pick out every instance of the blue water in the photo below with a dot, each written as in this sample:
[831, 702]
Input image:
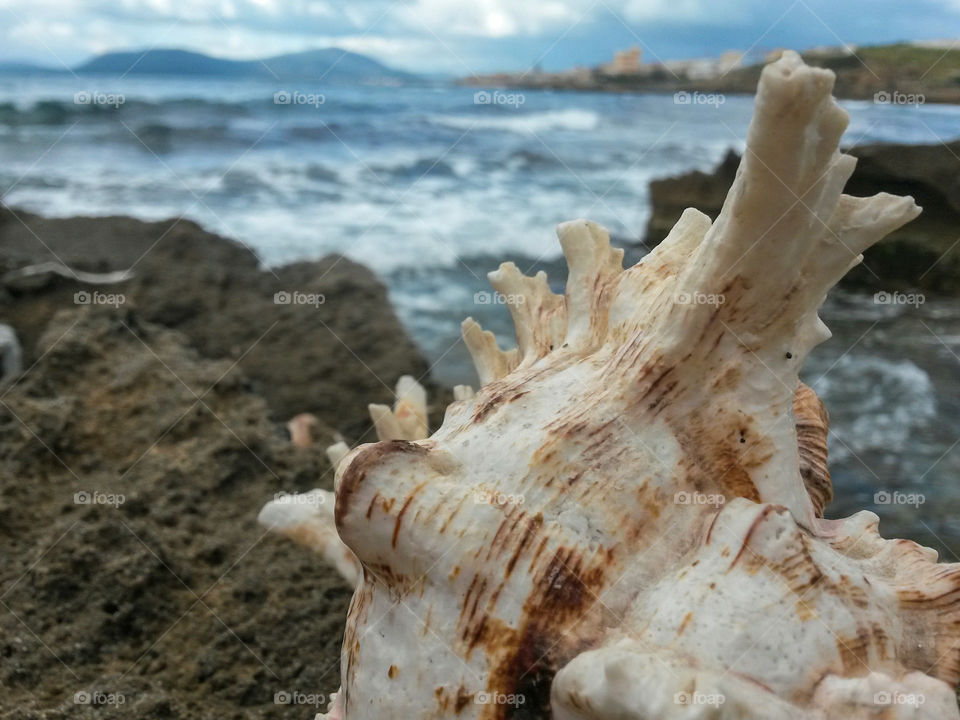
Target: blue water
[432, 190]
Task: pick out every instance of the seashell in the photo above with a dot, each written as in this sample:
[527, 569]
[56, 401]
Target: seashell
[301, 428]
[11, 355]
[624, 521]
[307, 518]
[408, 418]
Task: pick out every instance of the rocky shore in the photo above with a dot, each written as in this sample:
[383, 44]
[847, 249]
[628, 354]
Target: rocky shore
[923, 254]
[136, 450]
[308, 336]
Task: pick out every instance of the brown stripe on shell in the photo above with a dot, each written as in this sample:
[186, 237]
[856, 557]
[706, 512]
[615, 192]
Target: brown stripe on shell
[716, 457]
[813, 425]
[932, 599]
[356, 472]
[565, 587]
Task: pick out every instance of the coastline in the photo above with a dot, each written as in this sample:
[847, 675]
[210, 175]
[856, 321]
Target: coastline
[890, 74]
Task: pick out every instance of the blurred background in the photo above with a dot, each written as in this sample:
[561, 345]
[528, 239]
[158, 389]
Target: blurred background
[220, 152]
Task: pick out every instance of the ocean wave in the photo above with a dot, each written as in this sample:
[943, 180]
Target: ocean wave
[55, 111]
[321, 131]
[877, 405]
[320, 173]
[288, 185]
[532, 160]
[523, 123]
[415, 168]
[162, 138]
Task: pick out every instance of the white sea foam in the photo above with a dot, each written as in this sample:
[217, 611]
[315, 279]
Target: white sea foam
[527, 123]
[877, 405]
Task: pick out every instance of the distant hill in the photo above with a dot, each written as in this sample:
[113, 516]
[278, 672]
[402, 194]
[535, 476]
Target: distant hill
[331, 64]
[316, 62]
[165, 62]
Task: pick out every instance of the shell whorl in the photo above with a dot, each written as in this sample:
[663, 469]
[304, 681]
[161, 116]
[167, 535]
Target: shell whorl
[813, 426]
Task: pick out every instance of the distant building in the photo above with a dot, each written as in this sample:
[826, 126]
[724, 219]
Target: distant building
[580, 73]
[730, 60]
[831, 51]
[706, 68]
[625, 62]
[941, 44]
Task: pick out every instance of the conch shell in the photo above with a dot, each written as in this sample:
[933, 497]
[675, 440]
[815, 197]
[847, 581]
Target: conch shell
[624, 522]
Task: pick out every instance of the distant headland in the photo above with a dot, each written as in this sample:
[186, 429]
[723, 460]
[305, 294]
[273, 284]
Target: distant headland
[333, 64]
[905, 73]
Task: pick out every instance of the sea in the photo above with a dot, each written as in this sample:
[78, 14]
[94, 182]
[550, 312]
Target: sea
[432, 185]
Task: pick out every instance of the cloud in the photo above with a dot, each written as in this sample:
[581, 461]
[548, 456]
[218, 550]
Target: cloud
[678, 10]
[493, 18]
[455, 35]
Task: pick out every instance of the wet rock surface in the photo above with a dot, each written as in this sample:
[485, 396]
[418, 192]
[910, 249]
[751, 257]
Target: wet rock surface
[316, 337]
[136, 582]
[136, 450]
[923, 254]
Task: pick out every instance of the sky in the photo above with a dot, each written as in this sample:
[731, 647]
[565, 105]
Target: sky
[462, 37]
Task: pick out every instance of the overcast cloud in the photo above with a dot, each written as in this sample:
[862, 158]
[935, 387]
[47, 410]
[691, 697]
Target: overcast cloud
[461, 36]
